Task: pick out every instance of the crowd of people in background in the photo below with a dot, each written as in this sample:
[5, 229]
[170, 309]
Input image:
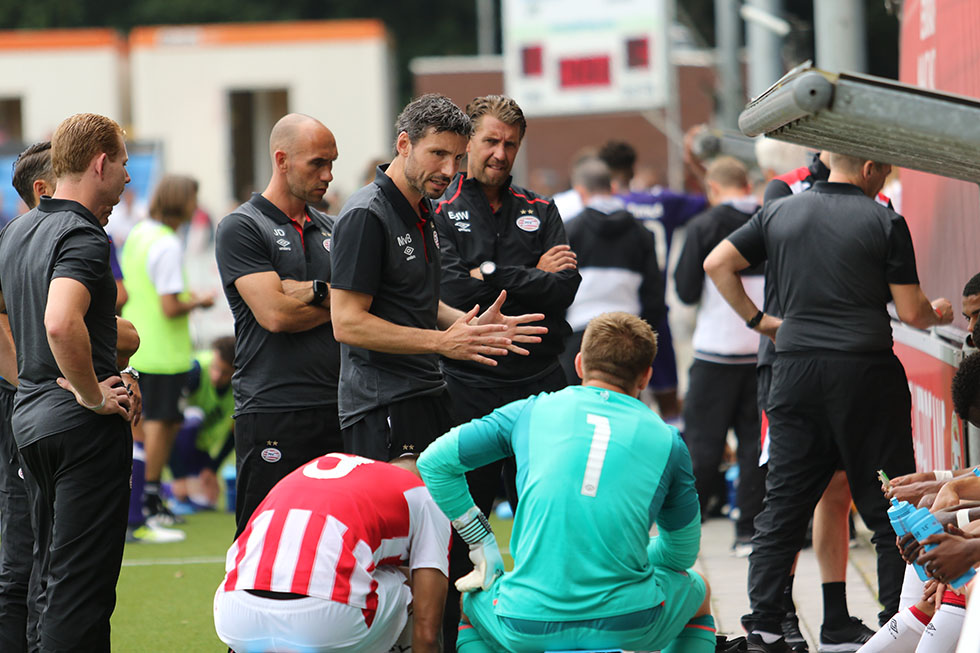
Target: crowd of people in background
[451, 341]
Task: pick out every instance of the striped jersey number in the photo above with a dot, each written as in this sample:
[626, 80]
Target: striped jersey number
[597, 453]
[345, 465]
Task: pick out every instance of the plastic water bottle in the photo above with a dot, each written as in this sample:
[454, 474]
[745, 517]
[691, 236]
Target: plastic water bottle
[922, 524]
[899, 514]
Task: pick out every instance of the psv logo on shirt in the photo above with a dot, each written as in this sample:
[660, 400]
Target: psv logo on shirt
[528, 223]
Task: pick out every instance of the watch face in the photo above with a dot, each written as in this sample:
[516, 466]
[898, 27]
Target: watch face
[488, 267]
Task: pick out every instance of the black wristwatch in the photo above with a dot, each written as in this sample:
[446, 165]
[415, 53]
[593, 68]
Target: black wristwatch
[320, 289]
[754, 322]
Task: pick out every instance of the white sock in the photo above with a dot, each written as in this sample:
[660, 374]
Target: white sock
[911, 589]
[970, 634]
[943, 631]
[900, 635]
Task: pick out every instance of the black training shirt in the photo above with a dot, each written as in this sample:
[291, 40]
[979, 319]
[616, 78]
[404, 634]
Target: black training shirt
[514, 237]
[58, 239]
[832, 251]
[383, 249]
[277, 372]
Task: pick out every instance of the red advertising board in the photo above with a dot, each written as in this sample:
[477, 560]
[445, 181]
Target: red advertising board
[937, 431]
[940, 49]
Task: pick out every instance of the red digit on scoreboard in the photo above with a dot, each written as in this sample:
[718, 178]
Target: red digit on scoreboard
[584, 71]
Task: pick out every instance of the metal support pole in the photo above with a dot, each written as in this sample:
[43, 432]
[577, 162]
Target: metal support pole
[727, 64]
[674, 132]
[486, 27]
[839, 34]
[765, 59]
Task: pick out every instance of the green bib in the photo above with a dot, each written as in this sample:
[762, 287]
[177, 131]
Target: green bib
[165, 342]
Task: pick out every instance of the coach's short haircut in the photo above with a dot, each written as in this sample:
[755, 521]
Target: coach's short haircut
[501, 107]
[79, 139]
[435, 112]
[32, 164]
[972, 286]
[593, 175]
[966, 386]
[849, 164]
[620, 156]
[728, 172]
[172, 198]
[617, 348]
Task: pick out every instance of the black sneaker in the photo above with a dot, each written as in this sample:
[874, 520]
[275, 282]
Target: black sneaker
[755, 644]
[791, 633]
[850, 638]
[157, 513]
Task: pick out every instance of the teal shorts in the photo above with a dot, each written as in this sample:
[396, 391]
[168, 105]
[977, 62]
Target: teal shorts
[646, 630]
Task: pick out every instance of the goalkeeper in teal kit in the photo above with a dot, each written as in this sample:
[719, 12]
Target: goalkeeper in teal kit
[596, 469]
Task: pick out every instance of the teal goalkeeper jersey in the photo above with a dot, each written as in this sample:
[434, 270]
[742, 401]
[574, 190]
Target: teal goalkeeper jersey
[595, 469]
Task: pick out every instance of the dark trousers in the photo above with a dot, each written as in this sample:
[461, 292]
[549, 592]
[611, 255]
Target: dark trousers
[472, 403]
[16, 537]
[406, 426]
[81, 509]
[268, 446]
[720, 397]
[828, 409]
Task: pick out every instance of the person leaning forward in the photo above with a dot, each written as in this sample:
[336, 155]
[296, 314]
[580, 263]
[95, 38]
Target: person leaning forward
[839, 394]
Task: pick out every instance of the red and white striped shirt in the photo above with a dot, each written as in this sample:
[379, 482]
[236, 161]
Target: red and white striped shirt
[324, 529]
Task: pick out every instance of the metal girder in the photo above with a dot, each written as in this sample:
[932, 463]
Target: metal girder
[871, 117]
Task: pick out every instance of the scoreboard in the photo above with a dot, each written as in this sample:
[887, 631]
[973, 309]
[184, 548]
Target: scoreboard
[565, 57]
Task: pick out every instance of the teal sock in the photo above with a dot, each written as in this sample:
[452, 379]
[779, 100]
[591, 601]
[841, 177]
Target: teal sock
[698, 636]
[469, 641]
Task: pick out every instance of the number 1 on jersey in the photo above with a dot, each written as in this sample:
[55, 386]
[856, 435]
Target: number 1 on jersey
[597, 453]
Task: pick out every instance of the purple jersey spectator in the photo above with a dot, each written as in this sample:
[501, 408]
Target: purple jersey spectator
[114, 262]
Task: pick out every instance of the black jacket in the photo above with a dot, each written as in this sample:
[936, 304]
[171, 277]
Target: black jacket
[514, 238]
[615, 249]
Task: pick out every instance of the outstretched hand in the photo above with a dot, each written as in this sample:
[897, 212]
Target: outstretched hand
[116, 398]
[465, 339]
[517, 328]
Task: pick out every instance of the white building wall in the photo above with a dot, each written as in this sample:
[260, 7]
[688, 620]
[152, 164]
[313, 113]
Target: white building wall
[53, 84]
[180, 97]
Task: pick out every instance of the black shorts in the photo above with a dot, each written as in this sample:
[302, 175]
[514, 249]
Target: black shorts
[161, 396]
[268, 446]
[664, 377]
[406, 426]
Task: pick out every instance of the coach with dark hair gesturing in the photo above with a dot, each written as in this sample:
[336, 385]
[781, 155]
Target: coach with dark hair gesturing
[385, 294]
[839, 394]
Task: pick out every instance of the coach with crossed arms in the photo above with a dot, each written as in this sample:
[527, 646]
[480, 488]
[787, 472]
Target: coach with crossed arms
[274, 260]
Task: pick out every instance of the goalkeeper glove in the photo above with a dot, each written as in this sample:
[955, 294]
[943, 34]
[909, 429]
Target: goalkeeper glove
[474, 528]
